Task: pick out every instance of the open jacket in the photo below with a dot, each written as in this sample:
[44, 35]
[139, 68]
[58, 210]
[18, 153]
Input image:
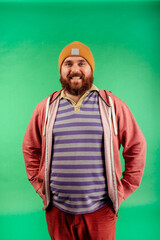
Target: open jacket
[120, 128]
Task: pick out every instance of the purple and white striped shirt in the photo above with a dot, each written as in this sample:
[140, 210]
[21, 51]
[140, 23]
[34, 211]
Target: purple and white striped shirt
[77, 180]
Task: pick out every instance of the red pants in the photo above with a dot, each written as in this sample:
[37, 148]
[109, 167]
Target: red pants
[98, 225]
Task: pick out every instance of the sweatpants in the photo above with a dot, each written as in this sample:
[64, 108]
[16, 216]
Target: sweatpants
[98, 225]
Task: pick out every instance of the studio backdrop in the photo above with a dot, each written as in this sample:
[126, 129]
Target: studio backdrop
[125, 41]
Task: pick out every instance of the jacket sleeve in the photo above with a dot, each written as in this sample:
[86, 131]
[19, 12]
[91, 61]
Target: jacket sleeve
[134, 149]
[31, 148]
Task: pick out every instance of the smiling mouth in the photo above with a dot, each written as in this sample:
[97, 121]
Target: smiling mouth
[75, 78]
[76, 81]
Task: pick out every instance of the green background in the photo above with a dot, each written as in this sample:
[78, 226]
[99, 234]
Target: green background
[125, 41]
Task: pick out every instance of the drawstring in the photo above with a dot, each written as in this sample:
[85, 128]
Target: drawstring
[46, 116]
[113, 115]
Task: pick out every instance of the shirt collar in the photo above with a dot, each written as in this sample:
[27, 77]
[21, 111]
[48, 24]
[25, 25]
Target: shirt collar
[93, 88]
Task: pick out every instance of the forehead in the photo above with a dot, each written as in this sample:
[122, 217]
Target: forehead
[75, 59]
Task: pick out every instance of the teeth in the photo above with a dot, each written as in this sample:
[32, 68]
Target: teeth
[75, 77]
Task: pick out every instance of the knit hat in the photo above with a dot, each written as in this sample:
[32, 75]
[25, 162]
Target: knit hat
[76, 49]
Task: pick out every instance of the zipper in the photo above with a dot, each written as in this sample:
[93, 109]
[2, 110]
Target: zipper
[112, 161]
[46, 164]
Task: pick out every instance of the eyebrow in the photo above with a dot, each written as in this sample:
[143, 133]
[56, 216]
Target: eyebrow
[72, 61]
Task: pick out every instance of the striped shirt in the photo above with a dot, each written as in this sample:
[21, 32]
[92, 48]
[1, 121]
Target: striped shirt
[77, 180]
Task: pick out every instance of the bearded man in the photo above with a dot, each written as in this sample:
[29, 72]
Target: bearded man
[71, 152]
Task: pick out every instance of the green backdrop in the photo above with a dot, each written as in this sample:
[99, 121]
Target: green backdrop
[124, 39]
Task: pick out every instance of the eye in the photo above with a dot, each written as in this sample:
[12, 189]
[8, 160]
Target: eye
[67, 64]
[82, 63]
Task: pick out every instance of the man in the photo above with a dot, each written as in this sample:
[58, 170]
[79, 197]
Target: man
[71, 151]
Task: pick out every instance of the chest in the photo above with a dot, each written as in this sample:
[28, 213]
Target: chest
[81, 119]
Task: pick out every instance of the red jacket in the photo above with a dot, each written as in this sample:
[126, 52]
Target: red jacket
[120, 128]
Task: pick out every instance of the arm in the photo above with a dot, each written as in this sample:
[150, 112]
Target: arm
[134, 150]
[32, 148]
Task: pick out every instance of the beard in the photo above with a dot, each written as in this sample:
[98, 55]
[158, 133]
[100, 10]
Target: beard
[73, 88]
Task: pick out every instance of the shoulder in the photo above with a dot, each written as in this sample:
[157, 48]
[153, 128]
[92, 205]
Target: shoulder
[115, 99]
[42, 105]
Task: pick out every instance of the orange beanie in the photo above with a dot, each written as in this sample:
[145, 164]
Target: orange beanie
[76, 49]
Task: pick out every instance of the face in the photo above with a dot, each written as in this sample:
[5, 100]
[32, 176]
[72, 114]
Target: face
[76, 75]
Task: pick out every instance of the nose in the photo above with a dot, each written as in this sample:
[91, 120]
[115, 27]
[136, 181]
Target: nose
[75, 69]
